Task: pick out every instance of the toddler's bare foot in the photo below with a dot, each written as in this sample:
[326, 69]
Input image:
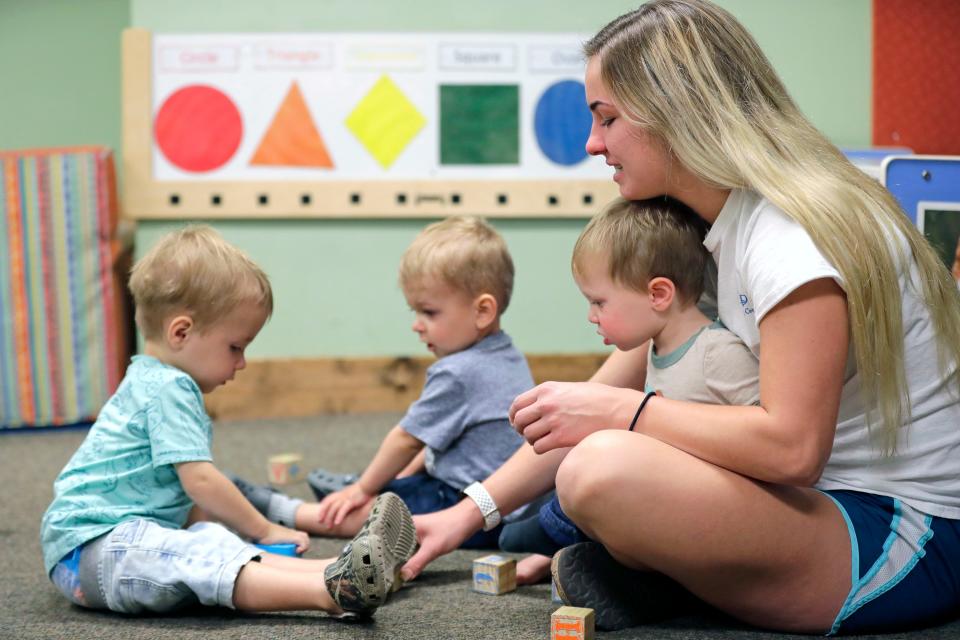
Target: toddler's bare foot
[533, 569]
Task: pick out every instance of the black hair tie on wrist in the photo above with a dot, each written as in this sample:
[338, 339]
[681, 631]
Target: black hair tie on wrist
[643, 403]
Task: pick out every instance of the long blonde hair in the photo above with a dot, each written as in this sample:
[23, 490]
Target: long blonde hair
[689, 73]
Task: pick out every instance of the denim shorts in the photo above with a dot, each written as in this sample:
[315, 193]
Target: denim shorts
[558, 526]
[906, 565]
[423, 493]
[143, 566]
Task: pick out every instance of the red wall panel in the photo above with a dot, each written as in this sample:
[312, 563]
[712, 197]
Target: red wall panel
[916, 75]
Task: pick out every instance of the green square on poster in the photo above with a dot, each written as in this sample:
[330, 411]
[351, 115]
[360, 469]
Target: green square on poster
[479, 124]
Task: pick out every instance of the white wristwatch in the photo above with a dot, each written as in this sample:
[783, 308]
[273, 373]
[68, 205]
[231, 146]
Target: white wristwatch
[483, 500]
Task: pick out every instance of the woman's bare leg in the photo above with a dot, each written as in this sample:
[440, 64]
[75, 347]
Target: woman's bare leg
[773, 556]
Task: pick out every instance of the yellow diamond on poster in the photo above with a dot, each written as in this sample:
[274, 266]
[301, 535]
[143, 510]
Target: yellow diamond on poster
[385, 121]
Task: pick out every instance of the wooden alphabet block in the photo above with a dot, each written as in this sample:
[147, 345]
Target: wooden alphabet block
[571, 623]
[285, 468]
[494, 574]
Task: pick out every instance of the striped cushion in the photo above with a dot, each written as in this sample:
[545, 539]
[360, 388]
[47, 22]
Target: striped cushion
[62, 330]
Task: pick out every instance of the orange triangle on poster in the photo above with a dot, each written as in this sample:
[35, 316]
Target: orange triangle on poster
[292, 139]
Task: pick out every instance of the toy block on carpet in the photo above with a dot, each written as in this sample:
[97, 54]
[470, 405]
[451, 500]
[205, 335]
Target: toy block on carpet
[494, 574]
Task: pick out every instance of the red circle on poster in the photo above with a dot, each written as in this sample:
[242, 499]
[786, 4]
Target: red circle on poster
[198, 128]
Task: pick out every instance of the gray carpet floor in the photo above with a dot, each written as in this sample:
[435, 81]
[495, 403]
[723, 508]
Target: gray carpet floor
[440, 604]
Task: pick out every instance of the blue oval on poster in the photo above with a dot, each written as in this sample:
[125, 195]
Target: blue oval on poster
[562, 122]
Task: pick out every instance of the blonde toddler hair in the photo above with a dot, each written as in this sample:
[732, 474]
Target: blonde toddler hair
[464, 252]
[645, 239]
[197, 272]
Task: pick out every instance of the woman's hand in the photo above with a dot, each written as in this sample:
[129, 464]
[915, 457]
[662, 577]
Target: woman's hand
[440, 533]
[553, 415]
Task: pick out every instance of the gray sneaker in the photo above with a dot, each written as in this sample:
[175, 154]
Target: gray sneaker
[257, 494]
[323, 482]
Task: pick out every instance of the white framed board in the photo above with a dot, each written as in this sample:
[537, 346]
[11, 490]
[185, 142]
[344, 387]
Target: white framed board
[939, 222]
[357, 124]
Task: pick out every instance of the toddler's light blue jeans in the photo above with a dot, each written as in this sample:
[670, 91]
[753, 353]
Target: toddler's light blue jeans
[143, 566]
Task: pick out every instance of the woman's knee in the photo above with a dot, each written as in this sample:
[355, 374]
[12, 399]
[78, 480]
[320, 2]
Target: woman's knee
[597, 468]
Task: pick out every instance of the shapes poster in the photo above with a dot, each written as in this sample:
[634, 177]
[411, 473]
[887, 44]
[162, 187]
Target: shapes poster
[348, 106]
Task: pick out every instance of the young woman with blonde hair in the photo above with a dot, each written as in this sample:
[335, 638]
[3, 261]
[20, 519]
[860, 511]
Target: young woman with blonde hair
[834, 506]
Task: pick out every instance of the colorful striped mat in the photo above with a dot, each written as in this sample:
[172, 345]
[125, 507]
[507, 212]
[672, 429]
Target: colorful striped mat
[63, 331]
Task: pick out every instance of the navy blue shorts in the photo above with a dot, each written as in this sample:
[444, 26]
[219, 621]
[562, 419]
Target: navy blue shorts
[423, 493]
[906, 565]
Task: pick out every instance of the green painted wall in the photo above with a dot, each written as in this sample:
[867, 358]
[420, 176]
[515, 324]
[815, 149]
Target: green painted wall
[60, 72]
[335, 280]
[336, 292]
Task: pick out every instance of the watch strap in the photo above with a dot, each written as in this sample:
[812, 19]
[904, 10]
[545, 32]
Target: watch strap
[483, 500]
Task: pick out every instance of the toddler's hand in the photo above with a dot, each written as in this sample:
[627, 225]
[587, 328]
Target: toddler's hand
[277, 534]
[336, 506]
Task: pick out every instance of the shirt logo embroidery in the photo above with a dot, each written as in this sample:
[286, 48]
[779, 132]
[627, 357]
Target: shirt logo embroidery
[744, 301]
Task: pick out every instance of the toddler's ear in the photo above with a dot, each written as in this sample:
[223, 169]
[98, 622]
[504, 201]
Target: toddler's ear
[485, 310]
[178, 330]
[662, 292]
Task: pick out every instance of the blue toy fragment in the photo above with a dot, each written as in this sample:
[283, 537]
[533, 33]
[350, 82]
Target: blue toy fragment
[281, 549]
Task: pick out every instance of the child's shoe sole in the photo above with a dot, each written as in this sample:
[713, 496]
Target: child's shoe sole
[391, 522]
[586, 575]
[357, 580]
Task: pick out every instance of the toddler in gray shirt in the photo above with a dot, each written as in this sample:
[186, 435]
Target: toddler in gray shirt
[457, 277]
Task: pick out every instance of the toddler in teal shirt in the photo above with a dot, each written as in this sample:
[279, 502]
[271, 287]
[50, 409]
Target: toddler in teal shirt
[132, 524]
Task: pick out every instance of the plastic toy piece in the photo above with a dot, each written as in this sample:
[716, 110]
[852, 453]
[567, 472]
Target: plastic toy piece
[281, 549]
